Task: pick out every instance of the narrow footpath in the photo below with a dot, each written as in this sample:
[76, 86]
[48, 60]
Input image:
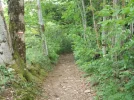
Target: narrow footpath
[65, 82]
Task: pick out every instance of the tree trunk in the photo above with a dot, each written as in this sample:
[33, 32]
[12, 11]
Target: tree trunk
[95, 26]
[123, 5]
[116, 41]
[84, 20]
[5, 47]
[132, 28]
[42, 29]
[17, 28]
[103, 36]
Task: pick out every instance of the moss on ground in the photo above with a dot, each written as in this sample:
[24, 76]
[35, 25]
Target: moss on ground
[28, 81]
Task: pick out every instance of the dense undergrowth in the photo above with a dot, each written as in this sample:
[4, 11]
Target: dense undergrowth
[111, 77]
[24, 83]
[113, 80]
[111, 74]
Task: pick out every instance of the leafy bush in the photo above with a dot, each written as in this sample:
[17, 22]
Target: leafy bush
[111, 76]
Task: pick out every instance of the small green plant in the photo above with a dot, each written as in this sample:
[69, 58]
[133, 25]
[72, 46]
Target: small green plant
[6, 77]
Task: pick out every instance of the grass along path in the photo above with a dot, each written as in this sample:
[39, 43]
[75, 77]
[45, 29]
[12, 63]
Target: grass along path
[65, 82]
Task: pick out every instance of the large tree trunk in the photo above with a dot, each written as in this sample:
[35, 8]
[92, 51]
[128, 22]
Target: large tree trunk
[42, 29]
[5, 47]
[17, 28]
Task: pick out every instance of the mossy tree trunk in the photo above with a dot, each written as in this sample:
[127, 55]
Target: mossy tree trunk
[17, 28]
[5, 47]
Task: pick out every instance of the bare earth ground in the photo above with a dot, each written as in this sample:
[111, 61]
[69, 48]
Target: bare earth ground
[65, 82]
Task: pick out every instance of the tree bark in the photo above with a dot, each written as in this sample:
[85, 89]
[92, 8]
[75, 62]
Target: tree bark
[132, 28]
[103, 35]
[84, 20]
[5, 47]
[17, 28]
[95, 26]
[42, 29]
[116, 41]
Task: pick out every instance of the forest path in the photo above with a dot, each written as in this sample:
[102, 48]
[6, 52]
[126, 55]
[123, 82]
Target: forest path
[65, 82]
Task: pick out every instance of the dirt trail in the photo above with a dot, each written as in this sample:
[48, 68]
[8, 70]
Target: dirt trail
[65, 82]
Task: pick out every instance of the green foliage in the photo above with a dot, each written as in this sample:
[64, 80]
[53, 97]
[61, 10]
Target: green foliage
[53, 11]
[27, 81]
[65, 45]
[25, 90]
[6, 79]
[6, 76]
[111, 74]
